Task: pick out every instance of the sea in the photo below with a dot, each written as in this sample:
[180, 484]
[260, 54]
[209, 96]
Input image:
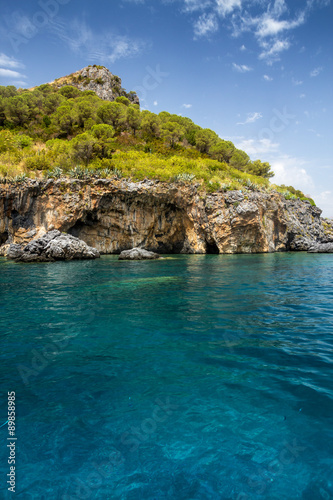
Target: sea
[192, 377]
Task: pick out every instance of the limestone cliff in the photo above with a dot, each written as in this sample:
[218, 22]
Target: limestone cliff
[99, 79]
[114, 215]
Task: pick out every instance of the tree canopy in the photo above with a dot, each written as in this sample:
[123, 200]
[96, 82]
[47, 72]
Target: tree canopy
[94, 128]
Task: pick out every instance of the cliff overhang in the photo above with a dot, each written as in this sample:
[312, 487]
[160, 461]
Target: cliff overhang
[113, 215]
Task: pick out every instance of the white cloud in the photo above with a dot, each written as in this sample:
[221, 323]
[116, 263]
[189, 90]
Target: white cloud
[265, 19]
[296, 82]
[241, 68]
[9, 73]
[291, 172]
[279, 7]
[268, 78]
[270, 26]
[225, 7]
[326, 195]
[9, 62]
[256, 147]
[187, 106]
[302, 96]
[205, 25]
[108, 47]
[271, 51]
[324, 200]
[195, 5]
[155, 103]
[316, 71]
[251, 118]
[268, 21]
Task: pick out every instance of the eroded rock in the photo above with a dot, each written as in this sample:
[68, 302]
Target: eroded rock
[113, 215]
[50, 247]
[138, 254]
[321, 248]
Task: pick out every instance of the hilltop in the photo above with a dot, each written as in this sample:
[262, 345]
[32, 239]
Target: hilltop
[100, 80]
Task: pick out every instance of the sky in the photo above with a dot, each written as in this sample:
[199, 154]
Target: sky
[257, 72]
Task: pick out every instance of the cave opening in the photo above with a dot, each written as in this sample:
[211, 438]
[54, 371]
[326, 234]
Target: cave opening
[90, 219]
[212, 248]
[3, 237]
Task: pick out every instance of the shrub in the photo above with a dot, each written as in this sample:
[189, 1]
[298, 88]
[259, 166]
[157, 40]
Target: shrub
[117, 173]
[77, 172]
[38, 162]
[185, 177]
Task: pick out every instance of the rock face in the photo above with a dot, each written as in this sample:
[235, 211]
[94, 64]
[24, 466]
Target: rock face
[321, 248]
[115, 215]
[138, 254]
[99, 79]
[52, 246]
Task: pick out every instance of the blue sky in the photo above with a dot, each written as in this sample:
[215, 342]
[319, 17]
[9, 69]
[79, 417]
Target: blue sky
[259, 73]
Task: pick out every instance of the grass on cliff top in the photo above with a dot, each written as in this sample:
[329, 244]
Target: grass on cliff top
[22, 158]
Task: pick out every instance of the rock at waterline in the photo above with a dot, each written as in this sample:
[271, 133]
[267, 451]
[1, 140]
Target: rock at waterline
[138, 254]
[52, 246]
[321, 248]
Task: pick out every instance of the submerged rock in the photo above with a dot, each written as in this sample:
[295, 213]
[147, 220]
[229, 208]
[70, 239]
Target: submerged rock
[138, 254]
[50, 247]
[321, 248]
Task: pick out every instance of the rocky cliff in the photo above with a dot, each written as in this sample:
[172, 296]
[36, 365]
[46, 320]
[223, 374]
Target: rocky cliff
[99, 79]
[114, 215]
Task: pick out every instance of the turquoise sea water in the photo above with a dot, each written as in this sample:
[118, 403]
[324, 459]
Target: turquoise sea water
[192, 377]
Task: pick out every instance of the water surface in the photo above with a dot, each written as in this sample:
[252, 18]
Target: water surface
[193, 377]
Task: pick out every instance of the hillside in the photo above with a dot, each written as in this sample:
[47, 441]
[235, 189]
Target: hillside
[86, 126]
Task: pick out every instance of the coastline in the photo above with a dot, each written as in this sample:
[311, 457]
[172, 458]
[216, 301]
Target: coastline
[167, 218]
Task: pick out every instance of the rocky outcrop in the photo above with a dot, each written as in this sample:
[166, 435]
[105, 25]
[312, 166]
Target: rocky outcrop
[321, 248]
[50, 247]
[138, 254]
[113, 215]
[99, 79]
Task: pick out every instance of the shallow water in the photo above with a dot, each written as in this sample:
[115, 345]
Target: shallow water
[192, 377]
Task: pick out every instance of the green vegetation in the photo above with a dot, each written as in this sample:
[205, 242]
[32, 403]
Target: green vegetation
[65, 132]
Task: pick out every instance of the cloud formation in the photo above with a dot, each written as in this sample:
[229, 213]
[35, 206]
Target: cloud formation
[9, 62]
[269, 22]
[108, 47]
[251, 118]
[205, 25]
[257, 147]
[241, 68]
[7, 70]
[316, 72]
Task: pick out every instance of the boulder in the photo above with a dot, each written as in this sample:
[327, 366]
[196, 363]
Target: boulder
[321, 248]
[138, 254]
[13, 251]
[52, 246]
